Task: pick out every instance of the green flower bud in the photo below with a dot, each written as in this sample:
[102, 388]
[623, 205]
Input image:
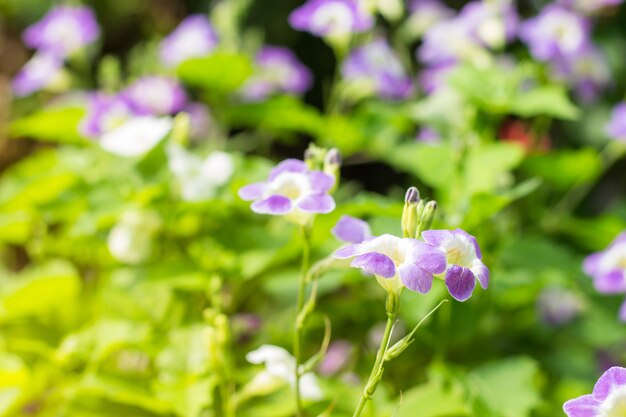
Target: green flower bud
[426, 216]
[409, 212]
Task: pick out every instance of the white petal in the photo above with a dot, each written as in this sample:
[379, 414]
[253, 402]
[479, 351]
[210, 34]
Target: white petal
[137, 136]
[218, 168]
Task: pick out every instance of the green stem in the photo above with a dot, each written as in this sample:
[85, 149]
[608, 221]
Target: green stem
[297, 335]
[377, 369]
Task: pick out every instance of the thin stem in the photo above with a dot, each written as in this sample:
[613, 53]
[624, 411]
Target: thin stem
[377, 369]
[297, 335]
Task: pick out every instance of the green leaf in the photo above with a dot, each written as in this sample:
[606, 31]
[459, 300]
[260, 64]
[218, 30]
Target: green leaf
[58, 125]
[508, 387]
[433, 400]
[566, 168]
[486, 165]
[550, 100]
[222, 72]
[433, 164]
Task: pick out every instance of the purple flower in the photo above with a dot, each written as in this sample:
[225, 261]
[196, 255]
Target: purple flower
[104, 113]
[193, 38]
[293, 191]
[449, 41]
[558, 306]
[589, 6]
[278, 70]
[493, 24]
[607, 400]
[616, 128]
[397, 262]
[608, 269]
[336, 358]
[40, 71]
[352, 230]
[587, 71]
[63, 30]
[376, 63]
[200, 120]
[425, 14]
[428, 135]
[156, 95]
[463, 259]
[331, 17]
[555, 33]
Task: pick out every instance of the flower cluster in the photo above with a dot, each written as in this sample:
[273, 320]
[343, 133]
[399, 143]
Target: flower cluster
[62, 32]
[607, 400]
[608, 269]
[331, 18]
[193, 38]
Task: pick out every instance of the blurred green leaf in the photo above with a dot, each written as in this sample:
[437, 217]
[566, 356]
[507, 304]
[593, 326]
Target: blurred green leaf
[431, 163]
[566, 168]
[58, 125]
[222, 72]
[551, 100]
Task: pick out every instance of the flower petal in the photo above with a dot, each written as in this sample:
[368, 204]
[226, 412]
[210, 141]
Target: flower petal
[592, 263]
[611, 282]
[481, 272]
[320, 182]
[608, 382]
[585, 406]
[622, 312]
[472, 239]
[460, 282]
[415, 278]
[288, 165]
[351, 229]
[252, 191]
[375, 263]
[348, 251]
[319, 203]
[276, 204]
[436, 237]
[429, 258]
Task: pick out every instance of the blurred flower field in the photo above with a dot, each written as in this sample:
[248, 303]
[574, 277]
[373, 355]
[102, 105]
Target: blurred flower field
[312, 208]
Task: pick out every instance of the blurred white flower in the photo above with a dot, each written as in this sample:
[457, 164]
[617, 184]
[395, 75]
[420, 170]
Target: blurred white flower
[199, 178]
[280, 366]
[130, 240]
[137, 136]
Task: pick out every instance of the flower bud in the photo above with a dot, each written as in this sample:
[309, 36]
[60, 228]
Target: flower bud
[426, 216]
[409, 212]
[314, 157]
[332, 164]
[399, 347]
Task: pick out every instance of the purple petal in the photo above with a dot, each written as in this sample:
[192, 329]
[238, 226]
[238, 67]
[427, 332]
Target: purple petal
[622, 312]
[322, 203]
[375, 263]
[611, 282]
[436, 237]
[348, 251]
[460, 282]
[429, 258]
[611, 380]
[592, 263]
[288, 165]
[351, 229]
[481, 272]
[585, 406]
[252, 191]
[276, 204]
[472, 239]
[415, 278]
[320, 182]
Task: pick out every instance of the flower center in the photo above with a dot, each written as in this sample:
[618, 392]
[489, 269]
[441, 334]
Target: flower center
[460, 251]
[334, 18]
[291, 185]
[615, 404]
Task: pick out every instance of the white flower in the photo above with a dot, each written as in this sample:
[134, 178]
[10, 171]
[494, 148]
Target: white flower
[130, 241]
[199, 178]
[137, 136]
[279, 364]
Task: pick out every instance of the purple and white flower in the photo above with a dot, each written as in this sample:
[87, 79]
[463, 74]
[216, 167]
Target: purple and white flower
[450, 41]
[608, 269]
[278, 70]
[291, 190]
[40, 72]
[587, 71]
[493, 24]
[425, 14]
[558, 306]
[280, 367]
[352, 230]
[199, 178]
[464, 265]
[193, 38]
[607, 400]
[555, 33]
[616, 128]
[63, 30]
[331, 17]
[105, 113]
[156, 96]
[397, 262]
[377, 64]
[200, 120]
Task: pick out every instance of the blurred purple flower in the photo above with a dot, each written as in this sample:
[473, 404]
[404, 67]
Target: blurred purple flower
[63, 30]
[193, 38]
[331, 17]
[463, 258]
[200, 120]
[397, 262]
[616, 128]
[607, 400]
[378, 64]
[608, 267]
[156, 95]
[336, 358]
[587, 71]
[39, 72]
[426, 13]
[589, 6]
[558, 306]
[352, 230]
[278, 71]
[428, 135]
[555, 33]
[493, 24]
[448, 41]
[293, 191]
[104, 113]
[434, 76]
